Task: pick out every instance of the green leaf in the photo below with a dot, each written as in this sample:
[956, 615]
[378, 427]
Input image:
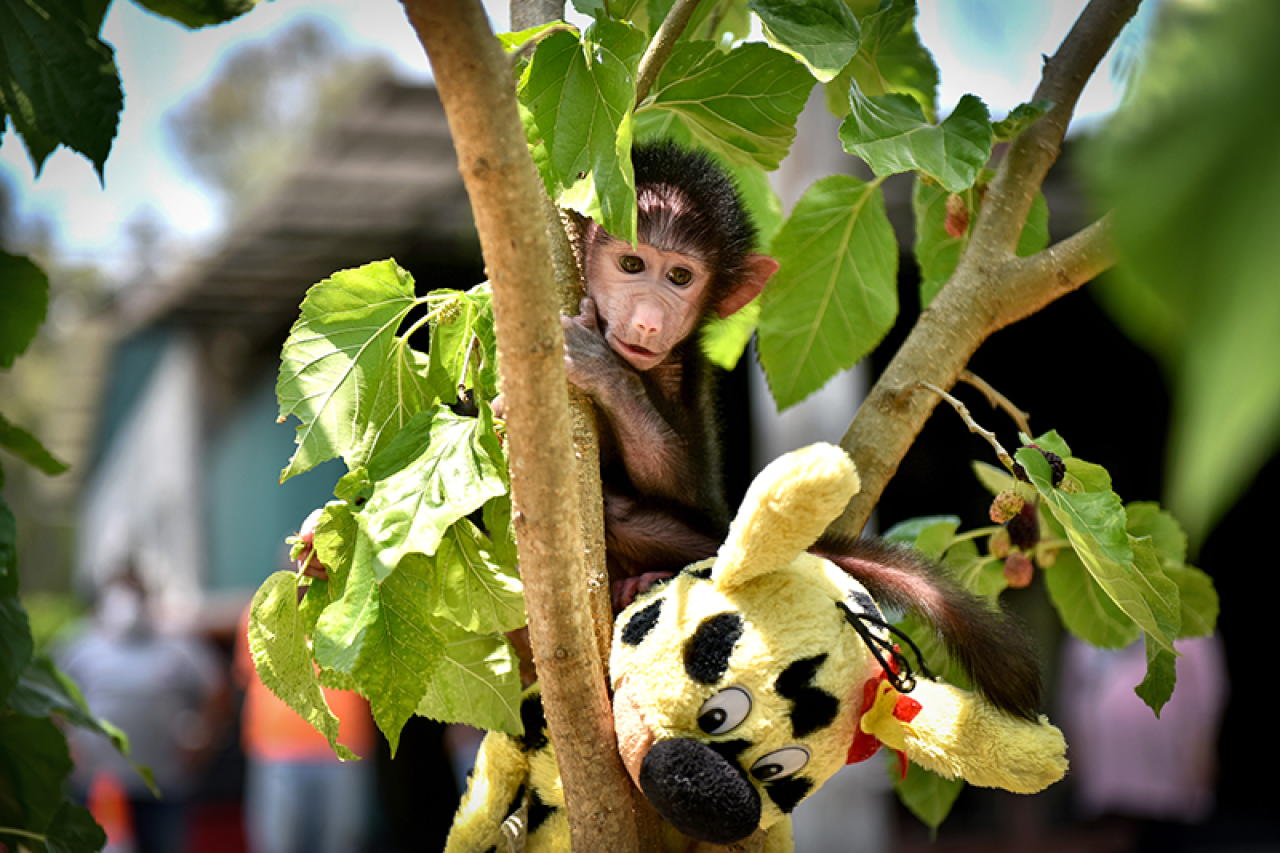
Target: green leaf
[925, 794]
[1199, 601]
[891, 59]
[835, 296]
[381, 635]
[24, 304]
[930, 535]
[58, 80]
[577, 99]
[741, 104]
[73, 830]
[477, 682]
[344, 372]
[194, 14]
[280, 653]
[27, 447]
[1019, 119]
[16, 645]
[472, 587]
[1197, 202]
[34, 765]
[823, 34]
[937, 250]
[1126, 567]
[436, 471]
[1157, 686]
[464, 349]
[1085, 608]
[891, 134]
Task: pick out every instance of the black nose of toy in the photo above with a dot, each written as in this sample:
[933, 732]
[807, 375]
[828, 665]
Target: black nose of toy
[699, 792]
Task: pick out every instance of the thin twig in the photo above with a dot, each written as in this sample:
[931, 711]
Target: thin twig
[963, 411]
[664, 41]
[997, 400]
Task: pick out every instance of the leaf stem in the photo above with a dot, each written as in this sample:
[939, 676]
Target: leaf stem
[23, 833]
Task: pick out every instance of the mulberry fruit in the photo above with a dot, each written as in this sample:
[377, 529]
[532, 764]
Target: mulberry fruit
[1024, 528]
[1056, 466]
[1018, 570]
[1006, 506]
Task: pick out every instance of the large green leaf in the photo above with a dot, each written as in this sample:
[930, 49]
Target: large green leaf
[73, 830]
[58, 80]
[34, 764]
[16, 645]
[344, 371]
[477, 682]
[835, 295]
[1084, 606]
[742, 104]
[891, 59]
[278, 644]
[472, 586]
[23, 304]
[1126, 567]
[890, 132]
[434, 472]
[463, 345]
[381, 635]
[1195, 206]
[823, 34]
[577, 98]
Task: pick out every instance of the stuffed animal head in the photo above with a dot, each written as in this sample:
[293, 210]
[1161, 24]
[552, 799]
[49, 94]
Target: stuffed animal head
[745, 682]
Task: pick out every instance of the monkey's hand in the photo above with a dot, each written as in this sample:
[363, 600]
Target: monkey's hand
[592, 365]
[308, 562]
[624, 592]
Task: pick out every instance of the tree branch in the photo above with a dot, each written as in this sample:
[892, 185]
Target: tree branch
[474, 80]
[664, 41]
[991, 288]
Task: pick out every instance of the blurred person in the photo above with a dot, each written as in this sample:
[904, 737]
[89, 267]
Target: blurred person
[1153, 776]
[167, 692]
[299, 796]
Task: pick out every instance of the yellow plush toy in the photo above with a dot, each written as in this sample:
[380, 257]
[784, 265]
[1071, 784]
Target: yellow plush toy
[745, 682]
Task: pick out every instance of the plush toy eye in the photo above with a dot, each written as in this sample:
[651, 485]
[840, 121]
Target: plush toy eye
[780, 763]
[724, 711]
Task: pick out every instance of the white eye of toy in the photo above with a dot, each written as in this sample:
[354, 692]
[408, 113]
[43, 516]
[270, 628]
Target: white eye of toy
[780, 763]
[724, 711]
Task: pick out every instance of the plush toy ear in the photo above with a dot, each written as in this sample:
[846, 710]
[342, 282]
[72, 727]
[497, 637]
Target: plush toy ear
[789, 505]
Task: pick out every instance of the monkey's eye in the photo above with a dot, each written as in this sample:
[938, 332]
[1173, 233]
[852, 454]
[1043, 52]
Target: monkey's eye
[724, 711]
[631, 263]
[780, 763]
[679, 276]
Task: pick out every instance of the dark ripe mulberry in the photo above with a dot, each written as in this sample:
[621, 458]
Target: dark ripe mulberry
[1056, 466]
[1024, 528]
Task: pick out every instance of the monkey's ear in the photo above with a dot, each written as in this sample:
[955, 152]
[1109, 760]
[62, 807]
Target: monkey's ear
[758, 269]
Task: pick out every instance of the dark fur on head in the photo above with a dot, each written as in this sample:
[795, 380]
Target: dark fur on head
[688, 203]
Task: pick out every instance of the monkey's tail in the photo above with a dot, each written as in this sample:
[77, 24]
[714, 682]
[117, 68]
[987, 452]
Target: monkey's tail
[991, 648]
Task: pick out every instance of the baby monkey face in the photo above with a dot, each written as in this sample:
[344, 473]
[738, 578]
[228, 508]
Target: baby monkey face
[648, 299]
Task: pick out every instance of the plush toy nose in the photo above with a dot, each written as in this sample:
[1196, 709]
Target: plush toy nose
[699, 792]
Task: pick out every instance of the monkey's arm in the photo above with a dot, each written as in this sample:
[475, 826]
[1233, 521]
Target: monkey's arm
[990, 647]
[662, 458]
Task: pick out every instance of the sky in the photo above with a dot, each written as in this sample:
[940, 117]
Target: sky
[991, 48]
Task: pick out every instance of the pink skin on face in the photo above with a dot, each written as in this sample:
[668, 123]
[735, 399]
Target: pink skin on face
[648, 299]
